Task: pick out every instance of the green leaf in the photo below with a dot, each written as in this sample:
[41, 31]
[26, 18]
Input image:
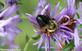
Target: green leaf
[43, 49]
[78, 15]
[69, 46]
[28, 6]
[30, 47]
[77, 3]
[1, 6]
[80, 0]
[36, 37]
[80, 26]
[27, 38]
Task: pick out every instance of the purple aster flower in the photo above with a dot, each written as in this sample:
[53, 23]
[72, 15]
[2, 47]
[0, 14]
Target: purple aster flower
[44, 23]
[8, 26]
[71, 23]
[60, 28]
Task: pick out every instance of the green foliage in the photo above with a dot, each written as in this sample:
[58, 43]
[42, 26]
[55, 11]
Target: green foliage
[1, 6]
[78, 15]
[77, 3]
[81, 0]
[69, 46]
[36, 37]
[29, 46]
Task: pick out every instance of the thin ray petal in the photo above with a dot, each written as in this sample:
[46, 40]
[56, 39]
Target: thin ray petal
[53, 14]
[40, 6]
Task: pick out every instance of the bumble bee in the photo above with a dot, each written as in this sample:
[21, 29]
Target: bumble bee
[47, 23]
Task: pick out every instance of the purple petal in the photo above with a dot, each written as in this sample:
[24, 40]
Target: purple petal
[11, 26]
[16, 19]
[79, 48]
[71, 10]
[12, 45]
[80, 9]
[65, 28]
[46, 10]
[47, 43]
[67, 32]
[40, 41]
[57, 40]
[61, 14]
[72, 2]
[10, 36]
[66, 37]
[76, 39]
[12, 29]
[43, 2]
[12, 9]
[3, 12]
[10, 21]
[11, 2]
[79, 21]
[40, 6]
[3, 34]
[55, 10]
[32, 19]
